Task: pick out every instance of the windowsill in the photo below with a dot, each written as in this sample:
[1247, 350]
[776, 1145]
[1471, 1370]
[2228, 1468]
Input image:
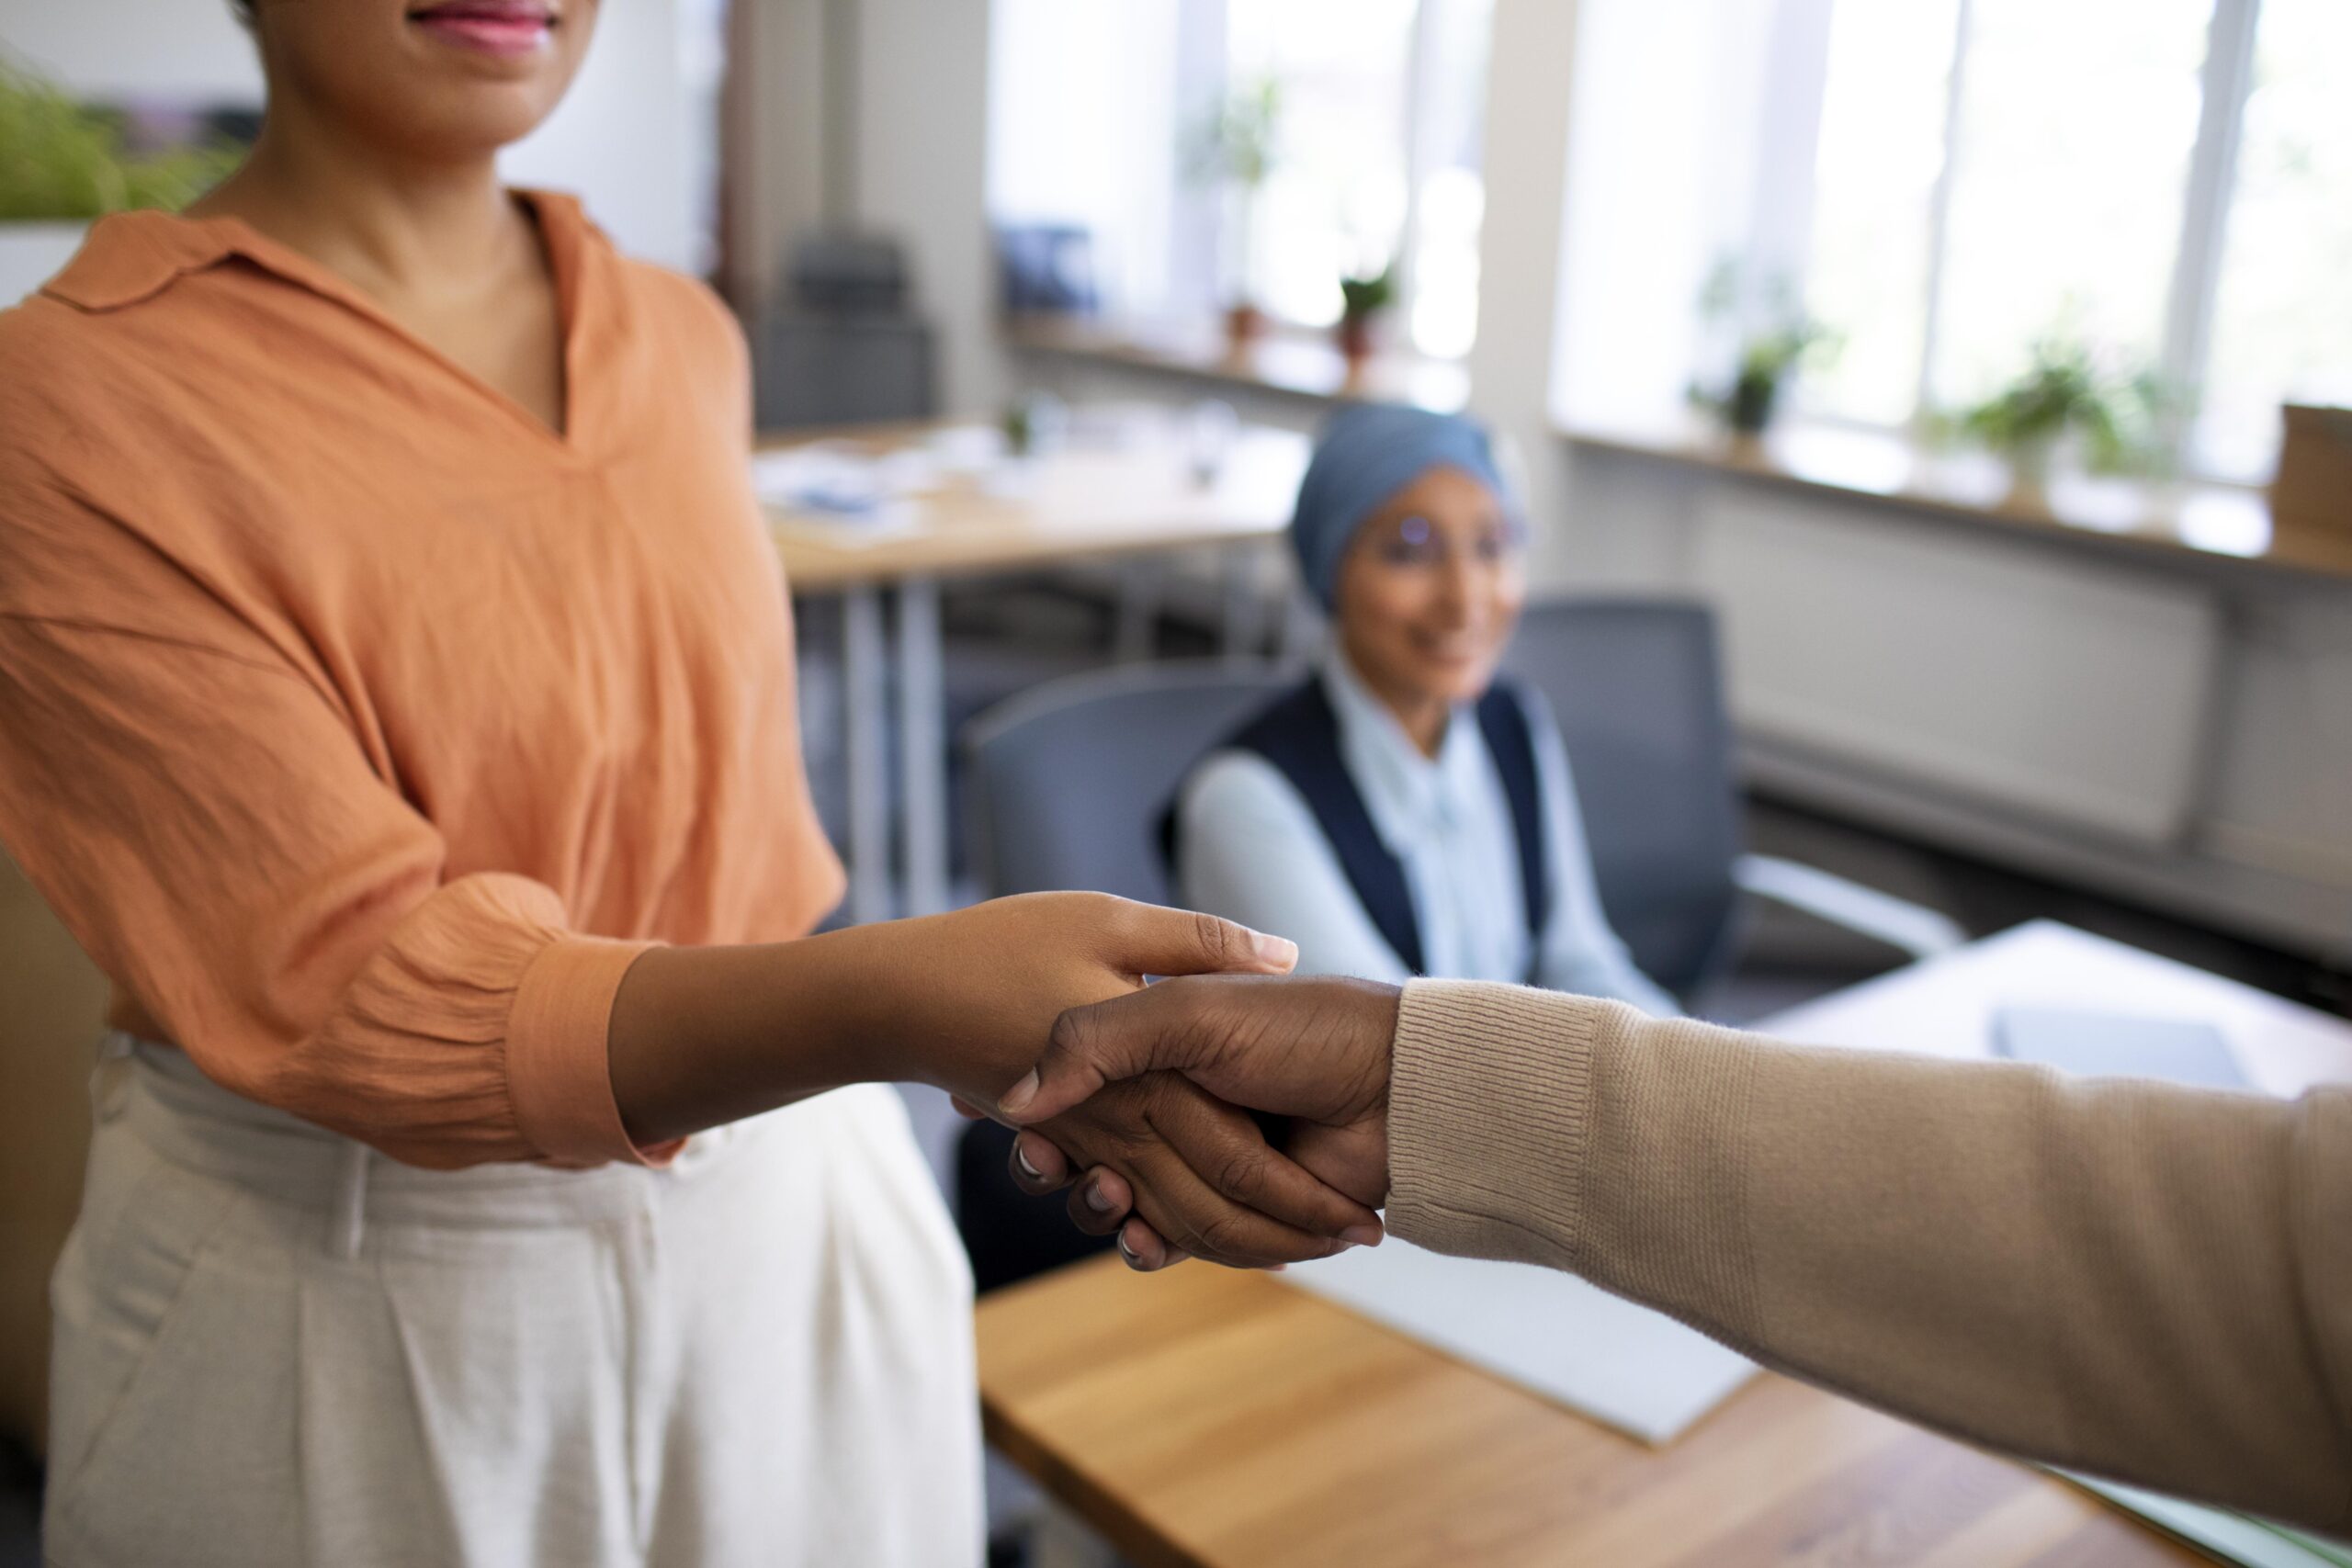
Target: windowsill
[2210, 522]
[1291, 362]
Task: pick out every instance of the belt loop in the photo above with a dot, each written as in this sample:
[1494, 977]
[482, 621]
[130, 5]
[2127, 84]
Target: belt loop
[350, 1217]
[110, 1078]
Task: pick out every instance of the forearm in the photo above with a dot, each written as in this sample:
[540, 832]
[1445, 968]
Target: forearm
[2117, 1276]
[705, 1035]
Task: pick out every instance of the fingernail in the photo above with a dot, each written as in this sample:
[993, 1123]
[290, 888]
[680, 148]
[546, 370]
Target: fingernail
[1278, 951]
[1020, 1094]
[1128, 1253]
[1021, 1158]
[1095, 1199]
[1362, 1236]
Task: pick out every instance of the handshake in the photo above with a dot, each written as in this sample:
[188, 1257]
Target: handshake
[1229, 1112]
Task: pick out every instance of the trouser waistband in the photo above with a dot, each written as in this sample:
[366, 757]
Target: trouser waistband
[160, 1096]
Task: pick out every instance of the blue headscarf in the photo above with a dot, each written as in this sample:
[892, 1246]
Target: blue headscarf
[1367, 453]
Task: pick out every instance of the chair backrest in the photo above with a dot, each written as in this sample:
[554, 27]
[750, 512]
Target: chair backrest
[1637, 686]
[1069, 780]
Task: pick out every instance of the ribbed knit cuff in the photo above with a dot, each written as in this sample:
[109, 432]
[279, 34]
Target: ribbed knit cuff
[1489, 1112]
[558, 1067]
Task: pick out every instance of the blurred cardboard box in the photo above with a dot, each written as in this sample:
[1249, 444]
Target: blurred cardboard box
[2313, 491]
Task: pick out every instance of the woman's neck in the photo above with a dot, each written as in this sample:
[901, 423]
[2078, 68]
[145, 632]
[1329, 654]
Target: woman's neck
[392, 223]
[1421, 716]
[1423, 719]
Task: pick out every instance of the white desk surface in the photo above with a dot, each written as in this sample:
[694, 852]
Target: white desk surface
[1944, 1007]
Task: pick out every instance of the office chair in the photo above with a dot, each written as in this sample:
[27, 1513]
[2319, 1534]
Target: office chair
[1069, 780]
[1067, 784]
[1637, 686]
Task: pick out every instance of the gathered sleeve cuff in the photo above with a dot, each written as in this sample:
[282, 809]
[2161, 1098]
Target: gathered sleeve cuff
[557, 1039]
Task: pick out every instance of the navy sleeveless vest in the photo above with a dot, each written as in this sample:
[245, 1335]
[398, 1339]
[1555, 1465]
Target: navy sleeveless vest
[1299, 734]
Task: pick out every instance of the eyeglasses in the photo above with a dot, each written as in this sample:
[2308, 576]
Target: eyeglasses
[1414, 541]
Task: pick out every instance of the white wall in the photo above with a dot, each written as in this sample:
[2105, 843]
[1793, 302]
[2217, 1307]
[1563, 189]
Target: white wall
[620, 140]
[921, 154]
[1081, 98]
[135, 48]
[781, 192]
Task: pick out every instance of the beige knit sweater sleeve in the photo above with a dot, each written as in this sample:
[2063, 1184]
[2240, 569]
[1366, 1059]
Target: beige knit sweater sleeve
[2147, 1283]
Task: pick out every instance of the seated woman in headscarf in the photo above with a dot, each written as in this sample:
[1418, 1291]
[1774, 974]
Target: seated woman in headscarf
[1407, 811]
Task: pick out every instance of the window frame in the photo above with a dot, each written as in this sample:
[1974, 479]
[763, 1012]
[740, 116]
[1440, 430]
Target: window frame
[2226, 80]
[1419, 160]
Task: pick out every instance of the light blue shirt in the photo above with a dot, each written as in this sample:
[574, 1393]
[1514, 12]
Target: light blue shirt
[1252, 851]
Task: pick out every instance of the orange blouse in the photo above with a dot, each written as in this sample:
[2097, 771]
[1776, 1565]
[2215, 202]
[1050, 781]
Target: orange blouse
[361, 727]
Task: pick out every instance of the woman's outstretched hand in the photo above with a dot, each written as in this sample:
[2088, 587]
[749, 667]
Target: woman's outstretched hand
[1313, 1051]
[964, 1001]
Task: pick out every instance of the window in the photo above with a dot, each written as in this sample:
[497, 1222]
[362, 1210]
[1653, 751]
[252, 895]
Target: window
[1378, 156]
[2282, 316]
[1377, 150]
[2169, 179]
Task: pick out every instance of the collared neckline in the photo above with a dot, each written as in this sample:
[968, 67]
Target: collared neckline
[1407, 791]
[131, 257]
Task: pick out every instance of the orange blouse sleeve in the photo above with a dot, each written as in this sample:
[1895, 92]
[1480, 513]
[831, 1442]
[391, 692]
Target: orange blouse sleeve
[196, 810]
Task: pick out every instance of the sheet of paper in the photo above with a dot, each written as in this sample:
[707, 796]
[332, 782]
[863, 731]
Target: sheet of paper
[850, 498]
[1623, 1365]
[2233, 1538]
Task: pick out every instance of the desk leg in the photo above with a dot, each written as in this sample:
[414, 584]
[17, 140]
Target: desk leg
[863, 702]
[923, 746]
[1134, 633]
[1245, 606]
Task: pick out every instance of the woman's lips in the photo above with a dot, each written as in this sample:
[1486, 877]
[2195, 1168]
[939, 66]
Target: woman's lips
[488, 26]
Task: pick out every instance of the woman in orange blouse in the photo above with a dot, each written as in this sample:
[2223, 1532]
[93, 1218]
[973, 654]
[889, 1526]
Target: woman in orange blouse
[396, 699]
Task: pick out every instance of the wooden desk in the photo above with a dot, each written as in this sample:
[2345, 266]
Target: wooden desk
[1207, 1418]
[1125, 490]
[1203, 1418]
[1129, 491]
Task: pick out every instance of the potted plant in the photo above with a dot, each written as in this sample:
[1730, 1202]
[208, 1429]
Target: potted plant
[1770, 335]
[62, 164]
[2067, 390]
[1362, 301]
[1232, 149]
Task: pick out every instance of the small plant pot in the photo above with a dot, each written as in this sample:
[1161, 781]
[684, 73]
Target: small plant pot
[2029, 466]
[1354, 337]
[1244, 325]
[1749, 411]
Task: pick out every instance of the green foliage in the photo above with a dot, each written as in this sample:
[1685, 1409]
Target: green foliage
[62, 162]
[2067, 388]
[1782, 336]
[1362, 298]
[1234, 142]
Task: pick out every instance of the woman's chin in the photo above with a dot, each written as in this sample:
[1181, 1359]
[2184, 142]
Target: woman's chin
[1456, 681]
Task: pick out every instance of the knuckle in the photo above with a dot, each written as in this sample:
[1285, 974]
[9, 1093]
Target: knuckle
[1072, 1034]
[1221, 1236]
[1215, 938]
[1241, 1174]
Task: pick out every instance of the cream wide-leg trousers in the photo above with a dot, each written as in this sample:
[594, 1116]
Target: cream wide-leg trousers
[273, 1347]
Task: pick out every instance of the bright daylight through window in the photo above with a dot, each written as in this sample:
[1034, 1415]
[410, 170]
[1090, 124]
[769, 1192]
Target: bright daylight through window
[1350, 150]
[2166, 184]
